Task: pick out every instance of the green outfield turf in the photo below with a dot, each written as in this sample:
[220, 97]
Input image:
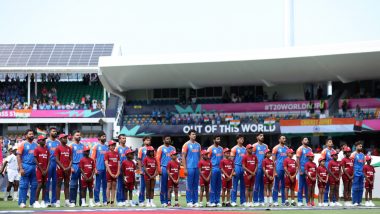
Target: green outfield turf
[12, 205]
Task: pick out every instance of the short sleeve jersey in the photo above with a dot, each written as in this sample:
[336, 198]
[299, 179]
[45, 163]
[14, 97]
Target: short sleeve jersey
[250, 162]
[42, 155]
[87, 165]
[205, 166]
[291, 165]
[113, 159]
[173, 167]
[128, 169]
[63, 153]
[227, 165]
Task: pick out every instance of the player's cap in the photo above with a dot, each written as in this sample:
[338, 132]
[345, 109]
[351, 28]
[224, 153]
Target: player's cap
[320, 159]
[289, 151]
[129, 151]
[86, 149]
[347, 149]
[62, 135]
[367, 158]
[333, 152]
[266, 151]
[40, 137]
[174, 152]
[204, 152]
[226, 150]
[249, 146]
[111, 142]
[149, 148]
[310, 154]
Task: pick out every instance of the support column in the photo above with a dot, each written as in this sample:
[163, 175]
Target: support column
[29, 88]
[67, 128]
[105, 98]
[289, 23]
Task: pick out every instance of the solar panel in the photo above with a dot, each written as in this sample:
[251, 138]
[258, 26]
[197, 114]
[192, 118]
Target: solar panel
[22, 55]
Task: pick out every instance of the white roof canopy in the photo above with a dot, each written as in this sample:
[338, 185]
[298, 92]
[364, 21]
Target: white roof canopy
[340, 62]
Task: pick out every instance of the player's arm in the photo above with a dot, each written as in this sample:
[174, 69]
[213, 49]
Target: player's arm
[233, 171]
[20, 149]
[3, 167]
[257, 166]
[158, 159]
[298, 159]
[297, 169]
[106, 164]
[274, 158]
[139, 159]
[36, 161]
[344, 169]
[81, 170]
[286, 169]
[155, 171]
[93, 156]
[168, 172]
[48, 164]
[57, 159]
[245, 168]
[71, 159]
[200, 171]
[145, 171]
[209, 175]
[118, 168]
[184, 156]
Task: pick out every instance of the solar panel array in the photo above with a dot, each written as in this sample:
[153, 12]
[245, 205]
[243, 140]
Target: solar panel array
[55, 55]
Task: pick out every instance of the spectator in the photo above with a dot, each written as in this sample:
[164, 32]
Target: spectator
[358, 109]
[322, 106]
[44, 91]
[275, 96]
[344, 107]
[307, 94]
[319, 92]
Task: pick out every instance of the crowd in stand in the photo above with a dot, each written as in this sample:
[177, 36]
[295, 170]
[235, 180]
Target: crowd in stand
[13, 95]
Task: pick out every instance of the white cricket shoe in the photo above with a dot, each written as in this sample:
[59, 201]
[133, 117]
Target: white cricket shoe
[105, 204]
[212, 205]
[147, 204]
[131, 204]
[91, 204]
[84, 205]
[189, 204]
[164, 205]
[120, 204]
[338, 204]
[275, 204]
[22, 205]
[256, 204]
[246, 204]
[325, 204]
[233, 204]
[367, 204]
[42, 204]
[72, 205]
[300, 204]
[152, 204]
[141, 204]
[196, 205]
[36, 205]
[57, 204]
[208, 204]
[219, 205]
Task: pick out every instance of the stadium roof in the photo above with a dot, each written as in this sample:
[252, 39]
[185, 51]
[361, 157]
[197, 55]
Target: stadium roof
[15, 57]
[339, 62]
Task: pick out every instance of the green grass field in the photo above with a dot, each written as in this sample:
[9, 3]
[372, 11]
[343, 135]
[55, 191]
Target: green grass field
[12, 205]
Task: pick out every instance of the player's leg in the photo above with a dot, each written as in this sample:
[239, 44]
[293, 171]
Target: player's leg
[332, 193]
[282, 181]
[16, 184]
[235, 182]
[189, 185]
[108, 191]
[276, 187]
[201, 193]
[104, 186]
[176, 195]
[207, 190]
[242, 186]
[97, 187]
[113, 192]
[195, 184]
[120, 194]
[142, 189]
[327, 192]
[164, 186]
[33, 185]
[218, 186]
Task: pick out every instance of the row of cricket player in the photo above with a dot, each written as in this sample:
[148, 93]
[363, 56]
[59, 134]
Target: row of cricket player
[258, 172]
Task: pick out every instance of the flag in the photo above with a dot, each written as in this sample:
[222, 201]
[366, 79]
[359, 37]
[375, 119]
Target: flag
[269, 122]
[41, 132]
[228, 118]
[235, 123]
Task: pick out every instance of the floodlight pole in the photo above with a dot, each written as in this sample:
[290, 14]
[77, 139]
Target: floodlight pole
[289, 23]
